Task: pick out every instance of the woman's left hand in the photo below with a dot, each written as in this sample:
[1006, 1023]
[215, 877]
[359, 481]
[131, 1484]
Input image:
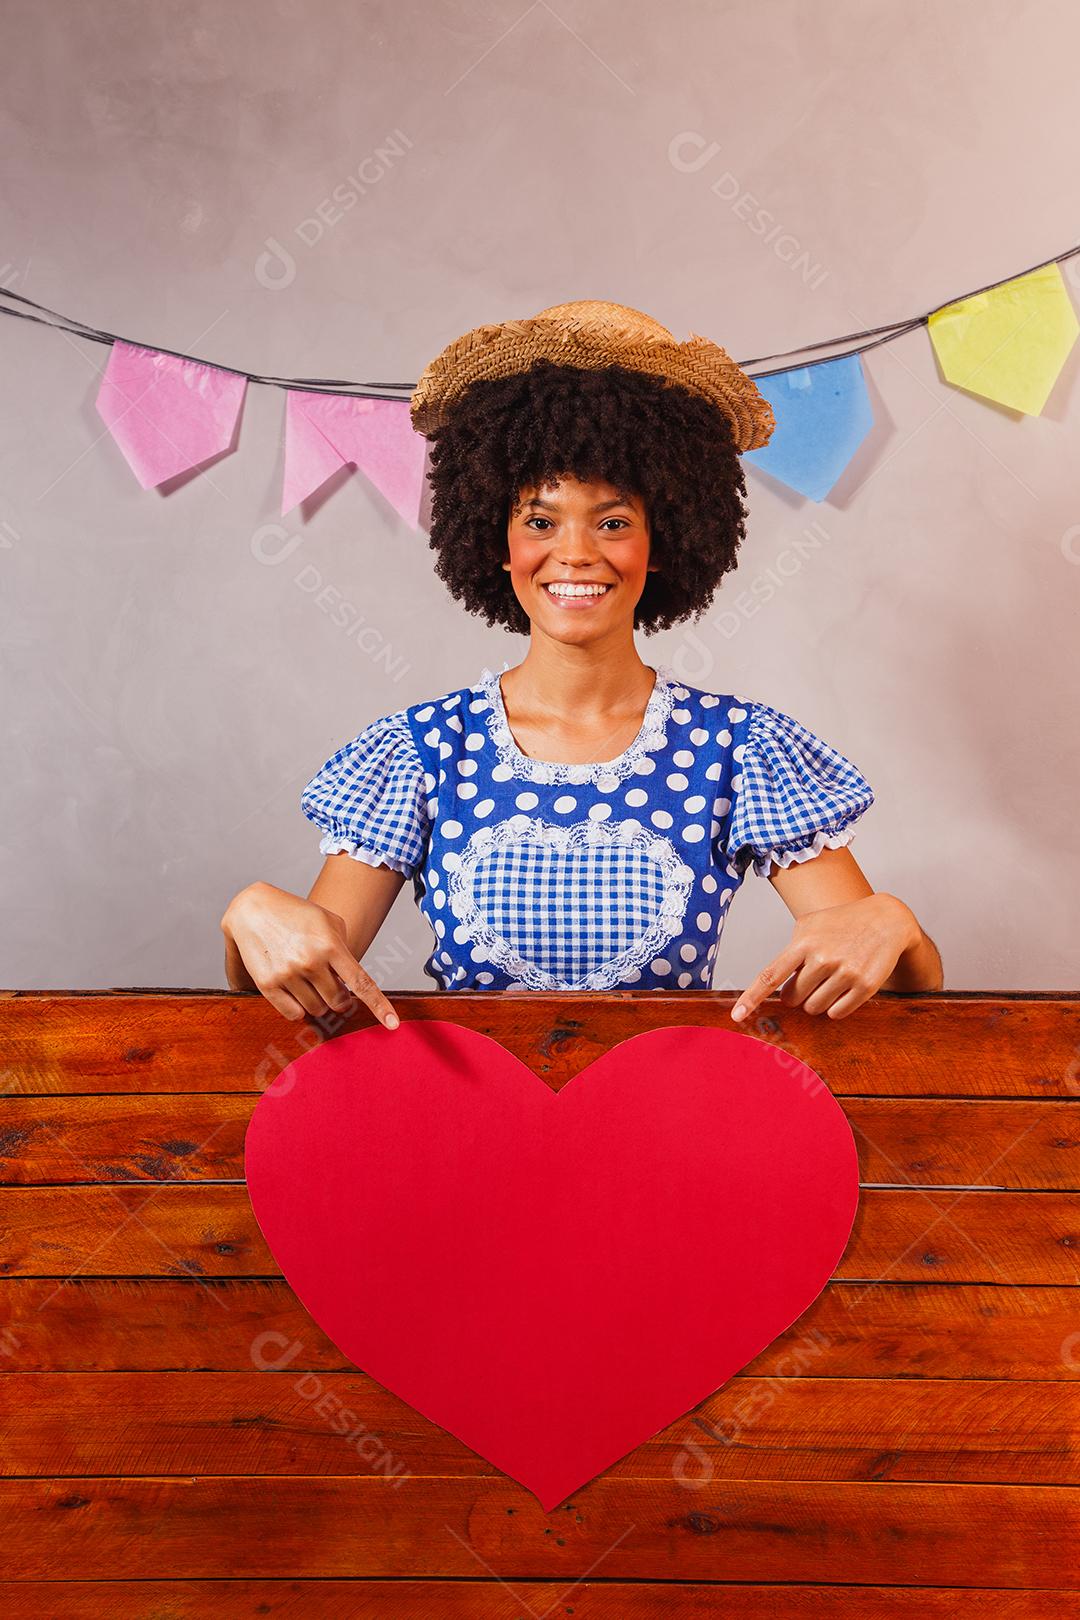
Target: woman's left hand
[838, 957]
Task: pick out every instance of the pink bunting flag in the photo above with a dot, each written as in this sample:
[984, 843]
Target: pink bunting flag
[324, 432]
[167, 414]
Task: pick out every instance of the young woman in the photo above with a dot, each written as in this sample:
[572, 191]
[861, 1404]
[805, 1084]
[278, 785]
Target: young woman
[583, 820]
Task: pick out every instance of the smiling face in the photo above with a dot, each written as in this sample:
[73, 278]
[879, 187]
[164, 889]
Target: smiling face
[565, 540]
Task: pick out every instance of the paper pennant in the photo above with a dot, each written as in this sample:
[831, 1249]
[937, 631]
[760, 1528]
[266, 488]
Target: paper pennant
[324, 432]
[1010, 343]
[823, 413]
[166, 414]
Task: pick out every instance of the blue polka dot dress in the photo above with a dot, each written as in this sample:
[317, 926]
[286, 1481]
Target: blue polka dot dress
[544, 876]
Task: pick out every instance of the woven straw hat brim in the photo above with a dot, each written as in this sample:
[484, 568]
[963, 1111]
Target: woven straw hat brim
[698, 365]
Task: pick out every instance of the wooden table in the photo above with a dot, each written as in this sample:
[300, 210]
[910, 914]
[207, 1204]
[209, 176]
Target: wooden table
[908, 1448]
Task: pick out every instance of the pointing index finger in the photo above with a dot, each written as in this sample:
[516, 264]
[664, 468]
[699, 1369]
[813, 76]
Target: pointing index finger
[769, 979]
[357, 979]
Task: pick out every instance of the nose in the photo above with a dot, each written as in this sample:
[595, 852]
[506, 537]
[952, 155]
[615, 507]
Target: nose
[577, 548]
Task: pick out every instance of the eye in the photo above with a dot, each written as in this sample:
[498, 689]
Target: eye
[537, 520]
[623, 521]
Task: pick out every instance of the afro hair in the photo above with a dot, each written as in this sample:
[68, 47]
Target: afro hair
[640, 434]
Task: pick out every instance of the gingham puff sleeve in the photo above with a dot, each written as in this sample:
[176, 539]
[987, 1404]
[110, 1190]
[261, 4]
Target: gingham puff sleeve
[795, 795]
[370, 798]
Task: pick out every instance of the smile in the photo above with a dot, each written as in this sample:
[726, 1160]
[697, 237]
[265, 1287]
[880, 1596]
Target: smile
[575, 596]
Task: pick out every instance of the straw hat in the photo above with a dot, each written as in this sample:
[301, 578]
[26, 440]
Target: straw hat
[593, 334]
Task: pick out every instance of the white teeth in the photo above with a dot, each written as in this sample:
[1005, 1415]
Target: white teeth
[576, 590]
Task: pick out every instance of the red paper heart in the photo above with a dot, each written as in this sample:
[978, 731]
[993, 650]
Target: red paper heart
[553, 1277]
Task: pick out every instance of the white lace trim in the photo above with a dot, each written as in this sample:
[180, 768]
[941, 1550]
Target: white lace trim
[678, 880]
[333, 844]
[653, 735]
[786, 857]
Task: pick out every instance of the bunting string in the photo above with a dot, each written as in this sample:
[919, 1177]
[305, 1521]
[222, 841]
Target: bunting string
[171, 412]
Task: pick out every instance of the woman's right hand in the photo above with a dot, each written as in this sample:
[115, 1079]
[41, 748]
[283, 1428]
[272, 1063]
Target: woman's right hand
[295, 953]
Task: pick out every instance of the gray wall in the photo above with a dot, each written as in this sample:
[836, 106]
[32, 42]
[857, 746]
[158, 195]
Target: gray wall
[169, 690]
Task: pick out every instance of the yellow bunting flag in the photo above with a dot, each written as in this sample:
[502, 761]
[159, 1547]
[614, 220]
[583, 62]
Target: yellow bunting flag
[1009, 343]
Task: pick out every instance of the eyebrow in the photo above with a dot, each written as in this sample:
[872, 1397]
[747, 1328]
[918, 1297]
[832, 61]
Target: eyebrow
[601, 506]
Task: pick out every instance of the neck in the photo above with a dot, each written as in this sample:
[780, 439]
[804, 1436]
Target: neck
[587, 681]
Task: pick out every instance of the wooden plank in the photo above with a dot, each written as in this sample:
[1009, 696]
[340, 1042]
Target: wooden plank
[1006, 1144]
[269, 1422]
[209, 1230]
[811, 1466]
[58, 1141]
[939, 1044]
[624, 1529]
[852, 1329]
[524, 1600]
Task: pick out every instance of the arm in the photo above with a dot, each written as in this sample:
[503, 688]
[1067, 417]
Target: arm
[361, 895]
[370, 798]
[835, 877]
[848, 943]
